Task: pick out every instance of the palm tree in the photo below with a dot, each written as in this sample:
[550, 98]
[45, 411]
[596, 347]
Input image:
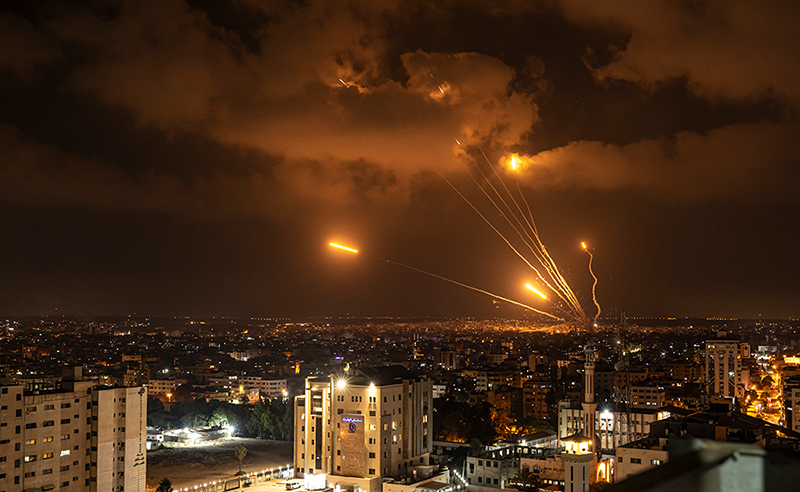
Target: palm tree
[525, 480]
[165, 485]
[240, 452]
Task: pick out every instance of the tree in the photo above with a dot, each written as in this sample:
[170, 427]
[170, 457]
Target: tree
[219, 418]
[240, 452]
[183, 393]
[163, 420]
[165, 485]
[194, 420]
[475, 446]
[531, 425]
[598, 486]
[458, 421]
[501, 418]
[526, 481]
[272, 419]
[154, 405]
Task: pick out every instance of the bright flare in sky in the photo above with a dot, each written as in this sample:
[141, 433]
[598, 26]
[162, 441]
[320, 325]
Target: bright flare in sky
[516, 162]
[539, 293]
[344, 247]
[583, 245]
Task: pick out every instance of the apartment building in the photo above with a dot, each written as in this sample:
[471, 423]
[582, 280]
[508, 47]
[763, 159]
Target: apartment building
[535, 392]
[74, 438]
[494, 467]
[164, 388]
[723, 371]
[271, 388]
[791, 400]
[647, 395]
[493, 377]
[641, 455]
[362, 425]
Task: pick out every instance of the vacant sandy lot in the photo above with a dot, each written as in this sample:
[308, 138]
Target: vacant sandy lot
[187, 467]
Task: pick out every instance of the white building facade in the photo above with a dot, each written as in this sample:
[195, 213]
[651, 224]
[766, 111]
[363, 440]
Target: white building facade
[724, 368]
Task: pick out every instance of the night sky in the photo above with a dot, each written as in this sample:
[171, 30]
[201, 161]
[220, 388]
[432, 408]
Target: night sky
[195, 157]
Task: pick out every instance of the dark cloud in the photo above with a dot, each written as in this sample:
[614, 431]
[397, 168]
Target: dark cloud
[233, 135]
[736, 162]
[725, 49]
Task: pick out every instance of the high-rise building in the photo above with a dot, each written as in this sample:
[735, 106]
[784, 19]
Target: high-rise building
[362, 425]
[791, 403]
[119, 435]
[74, 438]
[723, 374]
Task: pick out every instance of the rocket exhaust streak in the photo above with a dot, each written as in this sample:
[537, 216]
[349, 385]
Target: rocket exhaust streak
[339, 246]
[510, 301]
[541, 251]
[594, 285]
[535, 290]
[533, 241]
[489, 223]
[541, 294]
[537, 253]
[530, 214]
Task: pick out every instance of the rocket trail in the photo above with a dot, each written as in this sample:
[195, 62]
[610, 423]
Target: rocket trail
[489, 223]
[527, 233]
[541, 259]
[535, 291]
[540, 251]
[339, 246]
[454, 282]
[511, 301]
[594, 285]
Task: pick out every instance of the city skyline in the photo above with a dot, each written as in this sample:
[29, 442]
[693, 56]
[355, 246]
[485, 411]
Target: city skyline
[195, 158]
